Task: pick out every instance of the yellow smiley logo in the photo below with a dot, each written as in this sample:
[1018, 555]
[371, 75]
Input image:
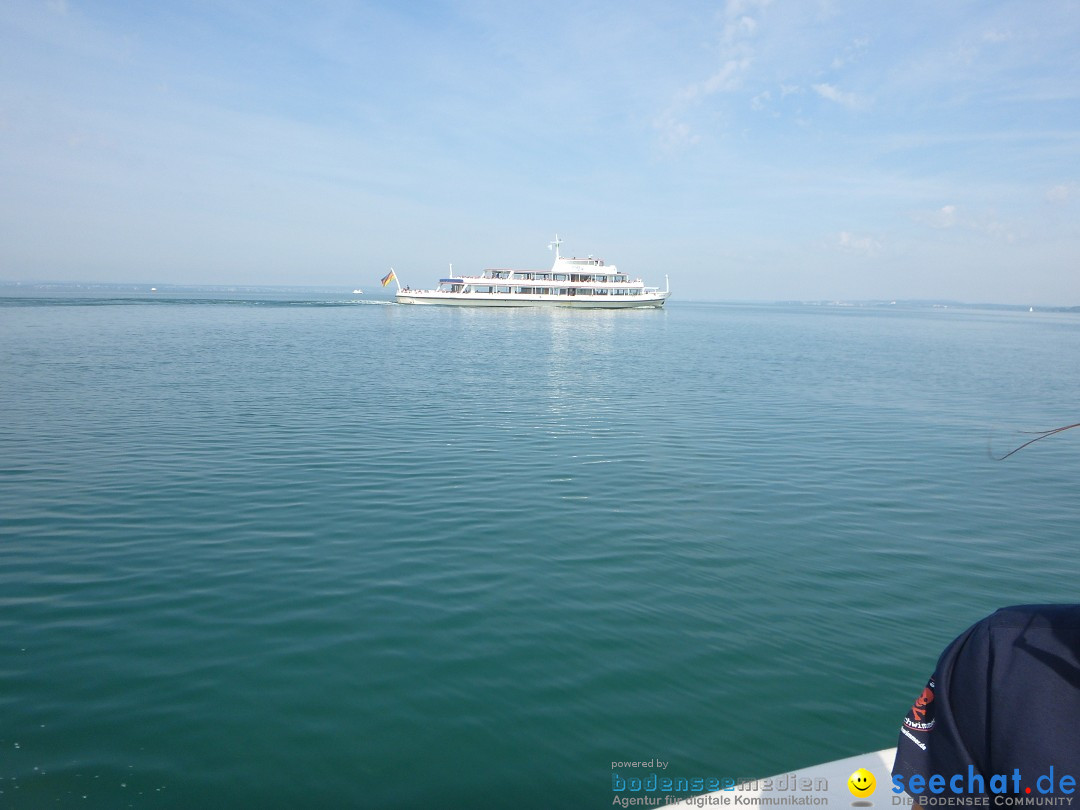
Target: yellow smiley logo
[861, 783]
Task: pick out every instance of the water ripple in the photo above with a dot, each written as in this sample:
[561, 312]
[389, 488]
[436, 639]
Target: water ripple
[307, 552]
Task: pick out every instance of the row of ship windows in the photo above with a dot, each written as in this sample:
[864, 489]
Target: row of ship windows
[549, 290]
[554, 276]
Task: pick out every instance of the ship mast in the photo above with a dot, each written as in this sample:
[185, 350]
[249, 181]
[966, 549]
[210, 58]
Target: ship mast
[556, 244]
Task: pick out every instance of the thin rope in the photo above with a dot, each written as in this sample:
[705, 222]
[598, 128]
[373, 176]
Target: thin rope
[1041, 434]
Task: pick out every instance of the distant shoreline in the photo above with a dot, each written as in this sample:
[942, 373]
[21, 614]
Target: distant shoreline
[113, 287]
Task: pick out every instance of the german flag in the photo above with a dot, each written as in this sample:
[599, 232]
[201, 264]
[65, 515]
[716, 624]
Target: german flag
[389, 277]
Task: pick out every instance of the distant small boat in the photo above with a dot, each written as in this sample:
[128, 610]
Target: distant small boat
[357, 292]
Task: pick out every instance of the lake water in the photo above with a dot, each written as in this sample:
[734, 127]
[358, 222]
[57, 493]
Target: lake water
[304, 551]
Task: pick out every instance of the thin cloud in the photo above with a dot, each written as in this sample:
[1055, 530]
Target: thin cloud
[743, 26]
[738, 28]
[1061, 193]
[838, 96]
[944, 217]
[994, 37]
[737, 20]
[853, 53]
[673, 132]
[673, 129]
[724, 80]
[950, 217]
[854, 243]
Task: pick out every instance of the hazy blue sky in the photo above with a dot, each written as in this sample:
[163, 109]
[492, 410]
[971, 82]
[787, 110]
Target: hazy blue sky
[792, 149]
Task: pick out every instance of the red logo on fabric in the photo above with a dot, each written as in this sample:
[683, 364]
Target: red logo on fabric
[921, 716]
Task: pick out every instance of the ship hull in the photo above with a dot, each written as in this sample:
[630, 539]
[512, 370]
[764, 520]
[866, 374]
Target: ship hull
[564, 301]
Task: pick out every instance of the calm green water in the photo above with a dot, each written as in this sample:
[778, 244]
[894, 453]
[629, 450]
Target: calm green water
[273, 552]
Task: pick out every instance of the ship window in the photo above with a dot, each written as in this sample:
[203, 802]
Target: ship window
[560, 276]
[503, 289]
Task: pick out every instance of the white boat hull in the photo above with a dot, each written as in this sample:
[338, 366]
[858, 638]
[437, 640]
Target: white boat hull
[819, 786]
[496, 300]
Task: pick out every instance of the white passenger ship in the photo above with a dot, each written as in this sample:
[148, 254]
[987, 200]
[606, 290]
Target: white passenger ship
[571, 282]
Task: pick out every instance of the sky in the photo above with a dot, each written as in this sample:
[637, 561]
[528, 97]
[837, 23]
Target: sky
[756, 150]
